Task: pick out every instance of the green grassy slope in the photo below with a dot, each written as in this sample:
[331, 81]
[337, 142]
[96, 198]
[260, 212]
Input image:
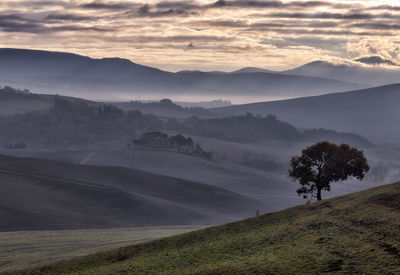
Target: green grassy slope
[23, 249]
[353, 234]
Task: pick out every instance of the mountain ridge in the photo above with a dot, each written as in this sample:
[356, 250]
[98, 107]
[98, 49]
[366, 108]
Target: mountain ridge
[76, 75]
[372, 75]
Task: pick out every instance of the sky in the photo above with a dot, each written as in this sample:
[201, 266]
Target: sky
[206, 35]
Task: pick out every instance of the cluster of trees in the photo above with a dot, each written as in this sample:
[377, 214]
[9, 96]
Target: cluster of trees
[181, 143]
[74, 124]
[159, 140]
[9, 92]
[67, 107]
[164, 107]
[162, 140]
[250, 128]
[245, 128]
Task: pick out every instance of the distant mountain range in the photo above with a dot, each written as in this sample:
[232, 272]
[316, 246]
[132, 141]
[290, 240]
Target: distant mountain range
[373, 76]
[371, 112]
[115, 78]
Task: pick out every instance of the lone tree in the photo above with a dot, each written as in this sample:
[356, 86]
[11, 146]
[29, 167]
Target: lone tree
[323, 163]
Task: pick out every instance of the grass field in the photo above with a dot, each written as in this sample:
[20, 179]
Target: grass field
[353, 234]
[24, 249]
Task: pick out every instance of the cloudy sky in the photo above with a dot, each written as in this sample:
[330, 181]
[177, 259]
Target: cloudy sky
[208, 34]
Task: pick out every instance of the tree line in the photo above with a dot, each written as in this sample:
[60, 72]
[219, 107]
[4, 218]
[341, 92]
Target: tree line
[73, 123]
[16, 146]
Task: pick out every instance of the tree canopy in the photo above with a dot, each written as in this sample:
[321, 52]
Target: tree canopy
[323, 163]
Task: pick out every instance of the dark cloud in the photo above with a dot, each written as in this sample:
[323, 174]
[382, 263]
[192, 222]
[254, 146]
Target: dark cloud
[18, 23]
[177, 5]
[323, 15]
[376, 26]
[385, 7]
[259, 4]
[183, 8]
[38, 4]
[331, 44]
[279, 24]
[105, 6]
[323, 32]
[181, 39]
[148, 11]
[68, 17]
[222, 23]
[323, 24]
[376, 60]
[268, 4]
[75, 28]
[295, 24]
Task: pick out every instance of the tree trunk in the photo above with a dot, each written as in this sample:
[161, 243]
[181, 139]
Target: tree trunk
[319, 194]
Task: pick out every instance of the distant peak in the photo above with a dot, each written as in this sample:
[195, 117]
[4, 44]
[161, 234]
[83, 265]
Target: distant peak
[325, 63]
[189, 71]
[334, 62]
[251, 70]
[117, 60]
[317, 62]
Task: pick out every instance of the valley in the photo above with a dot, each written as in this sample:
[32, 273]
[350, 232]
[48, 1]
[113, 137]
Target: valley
[94, 180]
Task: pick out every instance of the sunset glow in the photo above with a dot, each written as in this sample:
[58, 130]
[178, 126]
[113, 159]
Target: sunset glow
[206, 35]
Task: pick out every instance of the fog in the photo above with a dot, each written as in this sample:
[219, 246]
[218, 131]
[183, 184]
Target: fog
[85, 148]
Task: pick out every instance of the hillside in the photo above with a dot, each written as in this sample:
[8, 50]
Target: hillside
[115, 78]
[272, 187]
[257, 171]
[352, 234]
[163, 108]
[25, 249]
[43, 194]
[14, 101]
[370, 112]
[73, 123]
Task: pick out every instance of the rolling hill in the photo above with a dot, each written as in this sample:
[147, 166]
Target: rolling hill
[16, 101]
[43, 194]
[72, 123]
[352, 234]
[115, 78]
[25, 249]
[371, 112]
[269, 187]
[257, 170]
